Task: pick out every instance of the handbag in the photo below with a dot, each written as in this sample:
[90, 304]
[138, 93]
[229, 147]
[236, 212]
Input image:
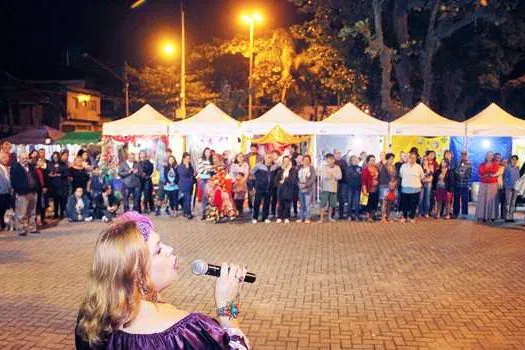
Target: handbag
[364, 199]
[519, 186]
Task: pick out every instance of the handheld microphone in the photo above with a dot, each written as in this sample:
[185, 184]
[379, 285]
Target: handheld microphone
[201, 267]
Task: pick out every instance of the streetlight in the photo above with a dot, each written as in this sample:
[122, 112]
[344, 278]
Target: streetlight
[251, 20]
[170, 51]
[167, 48]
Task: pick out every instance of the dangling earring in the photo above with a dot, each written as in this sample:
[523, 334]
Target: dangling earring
[144, 290]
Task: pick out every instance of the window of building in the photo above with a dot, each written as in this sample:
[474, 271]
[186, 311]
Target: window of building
[94, 106]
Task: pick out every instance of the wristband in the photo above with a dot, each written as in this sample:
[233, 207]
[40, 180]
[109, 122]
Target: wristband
[231, 310]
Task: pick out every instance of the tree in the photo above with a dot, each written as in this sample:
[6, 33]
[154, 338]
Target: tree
[405, 34]
[160, 85]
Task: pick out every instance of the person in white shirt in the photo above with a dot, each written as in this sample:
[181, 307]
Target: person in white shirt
[411, 174]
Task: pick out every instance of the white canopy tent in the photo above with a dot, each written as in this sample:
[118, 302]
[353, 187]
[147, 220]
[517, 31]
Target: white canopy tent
[282, 115]
[350, 120]
[210, 121]
[211, 127]
[147, 121]
[495, 121]
[423, 121]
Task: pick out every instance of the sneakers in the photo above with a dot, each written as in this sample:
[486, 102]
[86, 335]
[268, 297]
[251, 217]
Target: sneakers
[306, 221]
[412, 221]
[402, 220]
[331, 219]
[105, 219]
[278, 221]
[286, 221]
[267, 221]
[88, 219]
[254, 221]
[299, 221]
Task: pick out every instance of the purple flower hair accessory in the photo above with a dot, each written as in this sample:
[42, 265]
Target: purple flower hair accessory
[144, 224]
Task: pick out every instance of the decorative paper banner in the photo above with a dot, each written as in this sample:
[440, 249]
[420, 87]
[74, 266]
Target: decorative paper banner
[405, 143]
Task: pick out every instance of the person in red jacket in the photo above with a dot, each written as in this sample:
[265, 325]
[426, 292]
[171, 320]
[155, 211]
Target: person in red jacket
[486, 208]
[370, 186]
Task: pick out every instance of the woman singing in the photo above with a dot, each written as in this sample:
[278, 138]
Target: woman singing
[123, 308]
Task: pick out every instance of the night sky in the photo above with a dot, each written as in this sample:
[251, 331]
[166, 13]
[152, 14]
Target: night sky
[36, 34]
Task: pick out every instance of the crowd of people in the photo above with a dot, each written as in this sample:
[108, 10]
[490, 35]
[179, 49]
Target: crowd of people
[272, 186]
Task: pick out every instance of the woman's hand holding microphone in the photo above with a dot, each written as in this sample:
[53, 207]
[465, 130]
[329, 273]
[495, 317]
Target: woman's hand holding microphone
[227, 294]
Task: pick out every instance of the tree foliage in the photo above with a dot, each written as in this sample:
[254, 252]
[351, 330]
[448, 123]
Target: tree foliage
[389, 54]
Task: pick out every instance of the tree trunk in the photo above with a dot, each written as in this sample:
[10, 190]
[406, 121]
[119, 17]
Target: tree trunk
[385, 58]
[284, 92]
[428, 77]
[403, 69]
[431, 47]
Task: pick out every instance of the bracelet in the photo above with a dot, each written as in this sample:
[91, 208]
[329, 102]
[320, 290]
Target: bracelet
[231, 310]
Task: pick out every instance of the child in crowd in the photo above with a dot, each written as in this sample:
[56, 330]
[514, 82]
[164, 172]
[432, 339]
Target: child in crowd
[330, 174]
[390, 199]
[240, 189]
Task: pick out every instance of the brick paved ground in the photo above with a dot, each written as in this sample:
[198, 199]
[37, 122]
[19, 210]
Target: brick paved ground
[434, 285]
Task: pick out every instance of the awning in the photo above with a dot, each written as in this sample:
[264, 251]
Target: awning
[278, 135]
[36, 136]
[80, 138]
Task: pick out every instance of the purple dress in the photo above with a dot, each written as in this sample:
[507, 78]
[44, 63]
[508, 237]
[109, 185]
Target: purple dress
[195, 331]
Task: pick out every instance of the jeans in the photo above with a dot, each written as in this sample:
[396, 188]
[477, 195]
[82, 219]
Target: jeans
[135, 192]
[186, 202]
[203, 184]
[424, 199]
[264, 199]
[373, 201]
[409, 203]
[273, 201]
[306, 202]
[5, 203]
[147, 189]
[354, 196]
[510, 203]
[342, 192]
[239, 205]
[460, 197]
[501, 203]
[251, 186]
[284, 208]
[59, 204]
[173, 199]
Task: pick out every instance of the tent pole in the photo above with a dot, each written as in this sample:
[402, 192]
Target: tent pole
[389, 139]
[316, 161]
[465, 141]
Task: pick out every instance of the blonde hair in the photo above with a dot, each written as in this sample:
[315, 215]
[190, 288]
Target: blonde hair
[118, 280]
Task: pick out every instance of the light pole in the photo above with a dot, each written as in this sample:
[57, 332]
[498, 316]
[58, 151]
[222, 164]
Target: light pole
[182, 95]
[183, 63]
[123, 79]
[251, 20]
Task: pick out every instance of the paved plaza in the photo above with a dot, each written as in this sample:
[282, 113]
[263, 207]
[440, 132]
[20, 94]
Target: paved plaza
[430, 285]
